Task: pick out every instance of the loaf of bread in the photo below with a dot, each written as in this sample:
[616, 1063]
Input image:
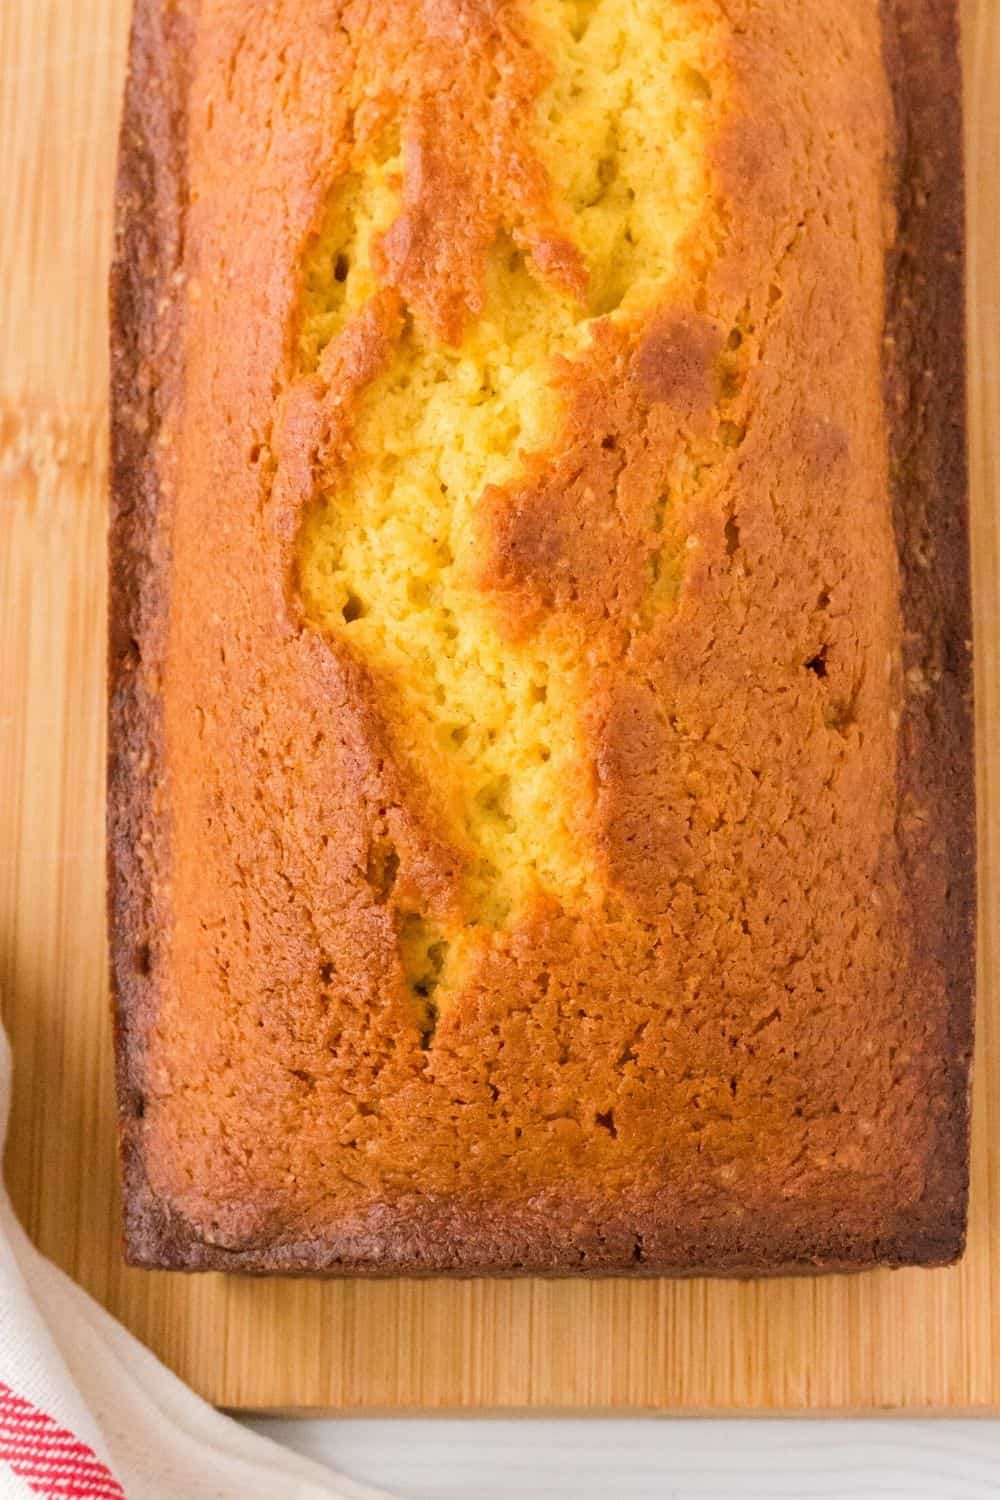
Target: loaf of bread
[541, 795]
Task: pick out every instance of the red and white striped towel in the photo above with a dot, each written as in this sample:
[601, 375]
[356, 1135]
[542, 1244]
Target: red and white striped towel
[86, 1413]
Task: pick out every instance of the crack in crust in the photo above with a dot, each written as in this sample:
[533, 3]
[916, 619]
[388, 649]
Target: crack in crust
[447, 407]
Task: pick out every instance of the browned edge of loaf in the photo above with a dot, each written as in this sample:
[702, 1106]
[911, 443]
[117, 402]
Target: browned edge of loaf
[925, 395]
[925, 392]
[144, 328]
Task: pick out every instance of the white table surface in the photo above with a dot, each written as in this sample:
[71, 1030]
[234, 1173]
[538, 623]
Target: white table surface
[605, 1459]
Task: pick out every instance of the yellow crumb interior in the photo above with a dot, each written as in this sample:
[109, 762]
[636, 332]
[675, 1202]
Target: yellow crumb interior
[390, 561]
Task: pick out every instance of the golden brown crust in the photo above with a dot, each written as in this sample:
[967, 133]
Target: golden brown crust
[686, 1081]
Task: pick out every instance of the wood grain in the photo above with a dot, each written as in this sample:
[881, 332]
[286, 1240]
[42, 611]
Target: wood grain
[906, 1340]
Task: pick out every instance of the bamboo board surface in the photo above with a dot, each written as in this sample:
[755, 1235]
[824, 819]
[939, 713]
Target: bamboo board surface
[915, 1340]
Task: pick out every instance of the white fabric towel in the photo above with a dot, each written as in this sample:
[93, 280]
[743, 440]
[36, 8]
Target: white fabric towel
[87, 1413]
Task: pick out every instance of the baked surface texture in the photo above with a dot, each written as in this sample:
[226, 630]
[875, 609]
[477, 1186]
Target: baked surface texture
[540, 794]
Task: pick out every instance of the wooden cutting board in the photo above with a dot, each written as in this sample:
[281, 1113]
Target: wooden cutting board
[917, 1340]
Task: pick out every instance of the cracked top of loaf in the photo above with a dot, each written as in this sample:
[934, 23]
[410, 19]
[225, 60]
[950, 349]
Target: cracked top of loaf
[540, 794]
